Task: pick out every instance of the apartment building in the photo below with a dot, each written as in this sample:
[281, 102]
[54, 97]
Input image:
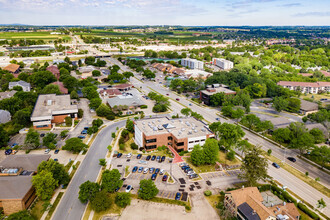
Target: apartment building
[180, 133]
[52, 108]
[249, 204]
[192, 63]
[205, 95]
[223, 64]
[306, 87]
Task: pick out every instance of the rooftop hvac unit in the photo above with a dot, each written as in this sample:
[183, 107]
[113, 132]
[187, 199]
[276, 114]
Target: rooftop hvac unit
[189, 132]
[182, 129]
[203, 129]
[155, 129]
[169, 130]
[179, 132]
[195, 131]
[193, 128]
[49, 102]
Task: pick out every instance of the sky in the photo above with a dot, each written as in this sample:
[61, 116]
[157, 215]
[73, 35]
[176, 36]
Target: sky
[166, 12]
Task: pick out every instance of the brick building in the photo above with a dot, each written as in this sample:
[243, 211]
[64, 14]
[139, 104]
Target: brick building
[16, 191]
[205, 95]
[180, 133]
[52, 108]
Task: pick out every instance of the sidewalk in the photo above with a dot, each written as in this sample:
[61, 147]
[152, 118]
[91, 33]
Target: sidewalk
[177, 157]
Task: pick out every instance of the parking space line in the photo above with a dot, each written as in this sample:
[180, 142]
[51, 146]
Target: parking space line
[226, 172]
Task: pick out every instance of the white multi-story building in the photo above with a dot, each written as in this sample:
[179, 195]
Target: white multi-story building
[306, 87]
[223, 64]
[192, 63]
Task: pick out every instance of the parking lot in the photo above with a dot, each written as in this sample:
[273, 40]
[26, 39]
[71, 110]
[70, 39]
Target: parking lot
[210, 176]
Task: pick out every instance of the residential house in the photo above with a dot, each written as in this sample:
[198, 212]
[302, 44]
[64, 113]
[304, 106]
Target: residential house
[54, 70]
[247, 203]
[205, 95]
[7, 95]
[25, 86]
[4, 116]
[306, 87]
[16, 171]
[180, 133]
[52, 108]
[60, 85]
[13, 68]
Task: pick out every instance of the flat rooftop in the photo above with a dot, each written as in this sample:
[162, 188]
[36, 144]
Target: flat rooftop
[52, 104]
[179, 127]
[218, 90]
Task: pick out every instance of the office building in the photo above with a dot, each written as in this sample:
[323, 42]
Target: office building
[223, 64]
[192, 63]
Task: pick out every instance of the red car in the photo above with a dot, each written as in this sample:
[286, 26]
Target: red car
[177, 99]
[165, 178]
[167, 94]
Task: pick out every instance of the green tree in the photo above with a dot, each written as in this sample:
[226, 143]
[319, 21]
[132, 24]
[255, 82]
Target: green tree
[196, 115]
[58, 171]
[293, 105]
[21, 215]
[111, 180]
[123, 199]
[147, 190]
[321, 204]
[97, 122]
[95, 103]
[244, 146]
[51, 89]
[74, 95]
[254, 167]
[128, 75]
[75, 145]
[32, 139]
[103, 111]
[230, 134]
[90, 92]
[282, 135]
[49, 138]
[197, 155]
[22, 117]
[318, 135]
[257, 90]
[280, 103]
[251, 121]
[186, 111]
[42, 78]
[87, 191]
[4, 137]
[45, 184]
[102, 162]
[64, 133]
[101, 201]
[129, 125]
[210, 151]
[96, 73]
[217, 99]
[80, 113]
[227, 111]
[237, 114]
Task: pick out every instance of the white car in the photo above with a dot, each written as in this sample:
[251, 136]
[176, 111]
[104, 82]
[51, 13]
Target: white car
[128, 188]
[145, 170]
[129, 155]
[183, 164]
[47, 151]
[161, 172]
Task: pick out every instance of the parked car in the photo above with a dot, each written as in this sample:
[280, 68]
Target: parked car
[138, 156]
[190, 104]
[153, 176]
[143, 162]
[84, 132]
[183, 164]
[145, 170]
[164, 178]
[14, 152]
[193, 176]
[292, 159]
[119, 155]
[157, 171]
[184, 167]
[178, 196]
[167, 94]
[56, 151]
[187, 170]
[55, 159]
[116, 190]
[148, 157]
[8, 152]
[177, 99]
[140, 169]
[276, 165]
[158, 158]
[218, 119]
[134, 169]
[47, 151]
[42, 135]
[81, 137]
[153, 158]
[151, 170]
[86, 128]
[129, 188]
[190, 172]
[129, 155]
[13, 145]
[161, 172]
[163, 158]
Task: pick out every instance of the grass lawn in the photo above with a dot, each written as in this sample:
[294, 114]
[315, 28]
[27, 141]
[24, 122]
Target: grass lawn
[114, 209]
[318, 186]
[213, 200]
[32, 36]
[52, 209]
[316, 97]
[170, 179]
[37, 210]
[222, 159]
[127, 172]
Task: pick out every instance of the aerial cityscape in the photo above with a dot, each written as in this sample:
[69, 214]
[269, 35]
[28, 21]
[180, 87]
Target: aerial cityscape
[172, 109]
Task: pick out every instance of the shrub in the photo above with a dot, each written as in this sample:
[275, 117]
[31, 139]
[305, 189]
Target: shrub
[134, 146]
[207, 193]
[121, 140]
[80, 113]
[113, 134]
[101, 201]
[102, 162]
[309, 212]
[68, 121]
[122, 146]
[230, 155]
[123, 199]
[143, 106]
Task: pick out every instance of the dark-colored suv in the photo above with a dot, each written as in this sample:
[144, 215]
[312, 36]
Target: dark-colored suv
[292, 159]
[153, 157]
[148, 157]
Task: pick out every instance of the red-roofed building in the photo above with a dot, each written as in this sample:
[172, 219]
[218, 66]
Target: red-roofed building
[306, 87]
[325, 73]
[123, 87]
[110, 93]
[54, 70]
[61, 87]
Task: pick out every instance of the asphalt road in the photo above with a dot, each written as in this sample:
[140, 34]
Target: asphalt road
[70, 208]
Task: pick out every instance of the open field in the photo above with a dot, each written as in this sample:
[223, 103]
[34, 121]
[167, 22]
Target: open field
[32, 36]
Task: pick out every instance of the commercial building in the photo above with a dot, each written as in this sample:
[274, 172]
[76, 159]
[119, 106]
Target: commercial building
[126, 99]
[109, 93]
[180, 133]
[205, 95]
[223, 64]
[52, 108]
[16, 171]
[306, 87]
[25, 86]
[248, 204]
[192, 63]
[197, 73]
[4, 116]
[307, 107]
